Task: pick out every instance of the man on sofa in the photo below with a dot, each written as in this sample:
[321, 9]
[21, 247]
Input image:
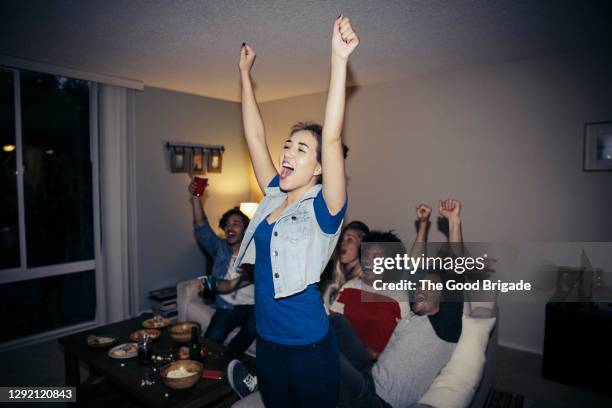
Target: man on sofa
[421, 345]
[236, 308]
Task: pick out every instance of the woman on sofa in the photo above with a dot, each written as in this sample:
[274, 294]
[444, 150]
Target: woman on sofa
[374, 314]
[291, 238]
[344, 265]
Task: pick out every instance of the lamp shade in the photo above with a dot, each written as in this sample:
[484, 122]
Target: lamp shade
[249, 209]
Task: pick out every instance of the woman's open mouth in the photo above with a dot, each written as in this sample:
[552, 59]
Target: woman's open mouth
[286, 170]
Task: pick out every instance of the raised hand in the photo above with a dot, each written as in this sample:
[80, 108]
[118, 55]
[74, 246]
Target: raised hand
[247, 58]
[423, 212]
[344, 39]
[449, 208]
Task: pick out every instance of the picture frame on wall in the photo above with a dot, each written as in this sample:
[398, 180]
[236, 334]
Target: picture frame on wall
[197, 163]
[598, 146]
[215, 161]
[178, 160]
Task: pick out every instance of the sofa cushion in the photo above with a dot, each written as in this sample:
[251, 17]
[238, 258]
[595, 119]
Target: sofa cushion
[456, 384]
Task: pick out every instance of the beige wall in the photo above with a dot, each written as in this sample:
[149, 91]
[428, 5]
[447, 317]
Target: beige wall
[167, 252]
[505, 139]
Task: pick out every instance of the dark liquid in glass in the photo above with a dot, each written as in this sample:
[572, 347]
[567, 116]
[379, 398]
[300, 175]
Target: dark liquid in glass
[145, 352]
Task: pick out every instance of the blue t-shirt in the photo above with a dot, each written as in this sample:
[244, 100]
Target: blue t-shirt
[300, 318]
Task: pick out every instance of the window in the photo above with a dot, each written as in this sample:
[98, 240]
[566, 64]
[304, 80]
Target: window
[57, 169]
[9, 222]
[39, 305]
[47, 256]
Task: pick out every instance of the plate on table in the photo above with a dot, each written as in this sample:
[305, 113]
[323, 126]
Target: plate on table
[122, 351]
[156, 322]
[100, 340]
[139, 334]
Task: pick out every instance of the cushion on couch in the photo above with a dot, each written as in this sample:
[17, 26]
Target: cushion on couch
[456, 384]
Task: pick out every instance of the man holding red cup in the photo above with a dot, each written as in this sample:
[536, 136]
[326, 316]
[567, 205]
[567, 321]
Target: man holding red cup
[234, 300]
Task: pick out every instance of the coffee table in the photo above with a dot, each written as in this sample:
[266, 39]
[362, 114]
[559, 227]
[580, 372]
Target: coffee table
[128, 374]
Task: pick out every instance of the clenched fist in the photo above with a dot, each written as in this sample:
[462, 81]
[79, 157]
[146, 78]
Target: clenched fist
[247, 58]
[423, 212]
[449, 208]
[344, 39]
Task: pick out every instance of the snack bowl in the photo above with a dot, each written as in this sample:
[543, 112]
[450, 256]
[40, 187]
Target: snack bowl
[138, 335]
[190, 368]
[181, 332]
[156, 322]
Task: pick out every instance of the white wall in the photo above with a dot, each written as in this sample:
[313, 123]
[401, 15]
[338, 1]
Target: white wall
[167, 252]
[504, 139]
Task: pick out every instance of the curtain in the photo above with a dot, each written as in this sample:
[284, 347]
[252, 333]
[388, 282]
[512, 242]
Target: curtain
[116, 121]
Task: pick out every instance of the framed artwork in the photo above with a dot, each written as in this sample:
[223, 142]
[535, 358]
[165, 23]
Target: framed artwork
[197, 161]
[215, 161]
[178, 160]
[598, 146]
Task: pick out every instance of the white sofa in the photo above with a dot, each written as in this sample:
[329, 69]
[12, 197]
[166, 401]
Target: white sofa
[190, 307]
[464, 382]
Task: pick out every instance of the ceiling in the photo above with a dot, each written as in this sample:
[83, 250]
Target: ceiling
[192, 46]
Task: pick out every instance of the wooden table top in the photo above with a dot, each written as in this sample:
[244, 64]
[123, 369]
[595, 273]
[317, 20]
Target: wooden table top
[128, 374]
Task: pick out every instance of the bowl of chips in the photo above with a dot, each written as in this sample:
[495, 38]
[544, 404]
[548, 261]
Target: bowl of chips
[181, 374]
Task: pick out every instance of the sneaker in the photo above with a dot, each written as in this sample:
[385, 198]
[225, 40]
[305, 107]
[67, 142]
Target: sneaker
[240, 379]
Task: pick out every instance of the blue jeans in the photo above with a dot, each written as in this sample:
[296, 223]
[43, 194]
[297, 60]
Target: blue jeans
[226, 320]
[357, 387]
[298, 376]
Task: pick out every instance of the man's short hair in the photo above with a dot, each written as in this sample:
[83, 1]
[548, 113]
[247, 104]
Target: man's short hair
[382, 237]
[229, 213]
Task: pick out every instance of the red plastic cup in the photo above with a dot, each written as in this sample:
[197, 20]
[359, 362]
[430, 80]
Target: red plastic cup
[201, 183]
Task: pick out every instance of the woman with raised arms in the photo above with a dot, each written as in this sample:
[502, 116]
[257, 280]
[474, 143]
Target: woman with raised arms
[290, 240]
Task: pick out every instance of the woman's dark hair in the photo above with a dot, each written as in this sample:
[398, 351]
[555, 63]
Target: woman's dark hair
[317, 131]
[229, 213]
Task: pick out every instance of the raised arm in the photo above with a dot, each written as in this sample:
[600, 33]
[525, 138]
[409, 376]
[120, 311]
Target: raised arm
[198, 209]
[252, 122]
[344, 42]
[423, 211]
[451, 210]
[203, 232]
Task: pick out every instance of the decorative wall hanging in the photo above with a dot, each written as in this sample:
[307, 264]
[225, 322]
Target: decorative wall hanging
[195, 158]
[197, 161]
[178, 160]
[215, 161]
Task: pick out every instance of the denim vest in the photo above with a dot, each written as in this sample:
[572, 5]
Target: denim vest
[298, 247]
